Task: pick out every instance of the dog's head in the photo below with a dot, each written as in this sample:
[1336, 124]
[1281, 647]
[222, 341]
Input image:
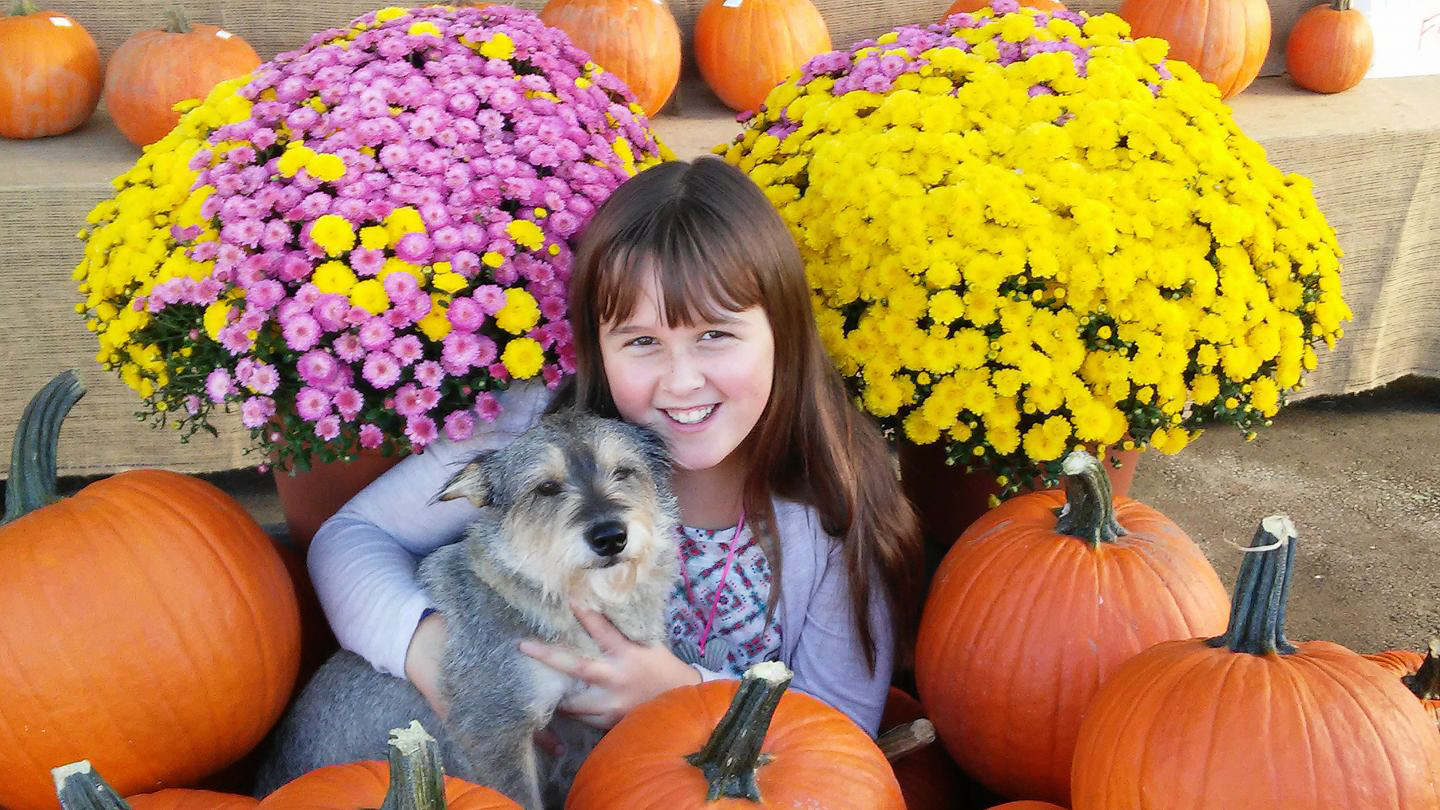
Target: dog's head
[583, 505]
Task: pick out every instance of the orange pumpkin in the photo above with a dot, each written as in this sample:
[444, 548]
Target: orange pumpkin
[149, 625]
[1419, 672]
[726, 745]
[49, 73]
[156, 69]
[183, 799]
[413, 773]
[1027, 805]
[1330, 47]
[1029, 613]
[1248, 719]
[746, 47]
[79, 787]
[967, 6]
[927, 777]
[1224, 40]
[637, 40]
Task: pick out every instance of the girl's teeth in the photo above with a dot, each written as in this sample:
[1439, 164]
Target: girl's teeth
[691, 416]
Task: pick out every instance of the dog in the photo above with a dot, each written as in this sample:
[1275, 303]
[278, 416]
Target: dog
[577, 510]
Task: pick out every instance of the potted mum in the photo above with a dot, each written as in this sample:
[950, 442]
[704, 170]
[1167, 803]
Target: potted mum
[1027, 233]
[362, 242]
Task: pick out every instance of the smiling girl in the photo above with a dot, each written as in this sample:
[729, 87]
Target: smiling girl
[692, 317]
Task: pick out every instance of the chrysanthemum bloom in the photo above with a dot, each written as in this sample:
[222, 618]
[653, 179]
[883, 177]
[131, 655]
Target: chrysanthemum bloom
[1026, 233]
[321, 217]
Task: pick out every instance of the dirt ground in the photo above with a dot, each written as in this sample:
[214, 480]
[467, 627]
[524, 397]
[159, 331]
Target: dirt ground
[1359, 475]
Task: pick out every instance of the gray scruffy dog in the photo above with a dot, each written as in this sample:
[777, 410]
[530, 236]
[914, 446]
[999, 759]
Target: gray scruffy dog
[578, 510]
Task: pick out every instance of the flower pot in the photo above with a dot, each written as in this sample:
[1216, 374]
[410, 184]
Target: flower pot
[948, 498]
[309, 498]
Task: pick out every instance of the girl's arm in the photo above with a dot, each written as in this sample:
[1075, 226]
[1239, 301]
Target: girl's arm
[829, 662]
[363, 560]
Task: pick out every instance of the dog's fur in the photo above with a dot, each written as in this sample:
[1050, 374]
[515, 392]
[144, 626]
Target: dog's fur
[549, 504]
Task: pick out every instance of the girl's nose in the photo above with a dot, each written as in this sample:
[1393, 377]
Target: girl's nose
[686, 372]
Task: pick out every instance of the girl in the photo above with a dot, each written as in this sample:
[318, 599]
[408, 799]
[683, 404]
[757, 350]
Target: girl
[691, 316]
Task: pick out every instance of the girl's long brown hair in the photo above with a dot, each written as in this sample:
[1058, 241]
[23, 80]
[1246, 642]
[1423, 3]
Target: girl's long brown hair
[713, 242]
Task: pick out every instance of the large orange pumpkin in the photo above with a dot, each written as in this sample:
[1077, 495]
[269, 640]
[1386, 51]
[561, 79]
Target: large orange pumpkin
[156, 69]
[149, 627]
[49, 73]
[1030, 612]
[1419, 672]
[959, 6]
[723, 745]
[1224, 40]
[1330, 47]
[637, 40]
[1248, 719]
[411, 780]
[746, 47]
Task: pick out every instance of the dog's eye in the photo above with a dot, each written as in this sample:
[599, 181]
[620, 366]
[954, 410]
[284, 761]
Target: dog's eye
[621, 473]
[548, 488]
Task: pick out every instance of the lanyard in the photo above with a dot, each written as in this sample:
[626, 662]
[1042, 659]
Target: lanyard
[719, 589]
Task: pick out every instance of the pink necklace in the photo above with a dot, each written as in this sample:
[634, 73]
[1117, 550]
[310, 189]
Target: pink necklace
[719, 589]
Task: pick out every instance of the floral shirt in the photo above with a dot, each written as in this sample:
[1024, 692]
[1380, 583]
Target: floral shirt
[740, 636]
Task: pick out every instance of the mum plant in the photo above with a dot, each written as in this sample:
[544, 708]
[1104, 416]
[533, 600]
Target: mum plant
[363, 240]
[1027, 233]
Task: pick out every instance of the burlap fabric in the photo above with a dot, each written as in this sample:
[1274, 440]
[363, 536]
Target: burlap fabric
[1373, 152]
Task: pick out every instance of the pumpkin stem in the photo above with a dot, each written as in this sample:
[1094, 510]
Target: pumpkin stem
[1257, 609]
[417, 779]
[81, 788]
[1089, 511]
[1425, 683]
[904, 740]
[176, 21]
[1339, 5]
[22, 7]
[32, 458]
[732, 755]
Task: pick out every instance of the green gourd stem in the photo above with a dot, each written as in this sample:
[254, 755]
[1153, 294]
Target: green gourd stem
[417, 779]
[1425, 683]
[37, 438]
[1262, 590]
[1089, 511]
[1339, 5]
[176, 21]
[81, 788]
[732, 755]
[22, 7]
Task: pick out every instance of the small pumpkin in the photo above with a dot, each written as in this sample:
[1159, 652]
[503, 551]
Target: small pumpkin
[1224, 40]
[50, 76]
[1027, 805]
[969, 6]
[1248, 719]
[746, 47]
[731, 745]
[1034, 607]
[413, 779]
[1330, 47]
[154, 70]
[927, 777]
[1419, 672]
[149, 622]
[79, 787]
[637, 40]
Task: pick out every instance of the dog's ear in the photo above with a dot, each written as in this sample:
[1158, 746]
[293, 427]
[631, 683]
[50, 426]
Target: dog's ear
[653, 448]
[470, 482]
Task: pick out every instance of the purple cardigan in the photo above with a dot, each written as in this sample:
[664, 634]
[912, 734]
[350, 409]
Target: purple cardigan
[363, 563]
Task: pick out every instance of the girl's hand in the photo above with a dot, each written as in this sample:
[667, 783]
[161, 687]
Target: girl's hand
[422, 661]
[624, 675]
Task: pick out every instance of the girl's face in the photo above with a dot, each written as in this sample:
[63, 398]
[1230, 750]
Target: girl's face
[701, 387]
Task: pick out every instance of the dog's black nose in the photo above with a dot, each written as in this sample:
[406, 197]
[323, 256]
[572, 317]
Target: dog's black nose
[607, 539]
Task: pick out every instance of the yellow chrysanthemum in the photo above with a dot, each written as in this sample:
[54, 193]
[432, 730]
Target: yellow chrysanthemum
[523, 358]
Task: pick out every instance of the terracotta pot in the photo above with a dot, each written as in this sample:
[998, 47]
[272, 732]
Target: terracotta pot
[949, 499]
[311, 497]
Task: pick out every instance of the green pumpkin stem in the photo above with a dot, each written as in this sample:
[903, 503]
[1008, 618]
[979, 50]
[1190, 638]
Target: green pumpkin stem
[176, 21]
[1089, 511]
[1339, 5]
[22, 7]
[1262, 590]
[37, 438]
[1425, 683]
[732, 755]
[81, 788]
[417, 779]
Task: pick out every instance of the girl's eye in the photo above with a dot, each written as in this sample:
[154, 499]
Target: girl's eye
[641, 341]
[712, 334]
[548, 488]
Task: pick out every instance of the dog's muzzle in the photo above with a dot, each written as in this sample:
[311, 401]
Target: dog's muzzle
[606, 538]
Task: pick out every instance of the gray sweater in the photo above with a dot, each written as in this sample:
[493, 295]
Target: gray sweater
[363, 563]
